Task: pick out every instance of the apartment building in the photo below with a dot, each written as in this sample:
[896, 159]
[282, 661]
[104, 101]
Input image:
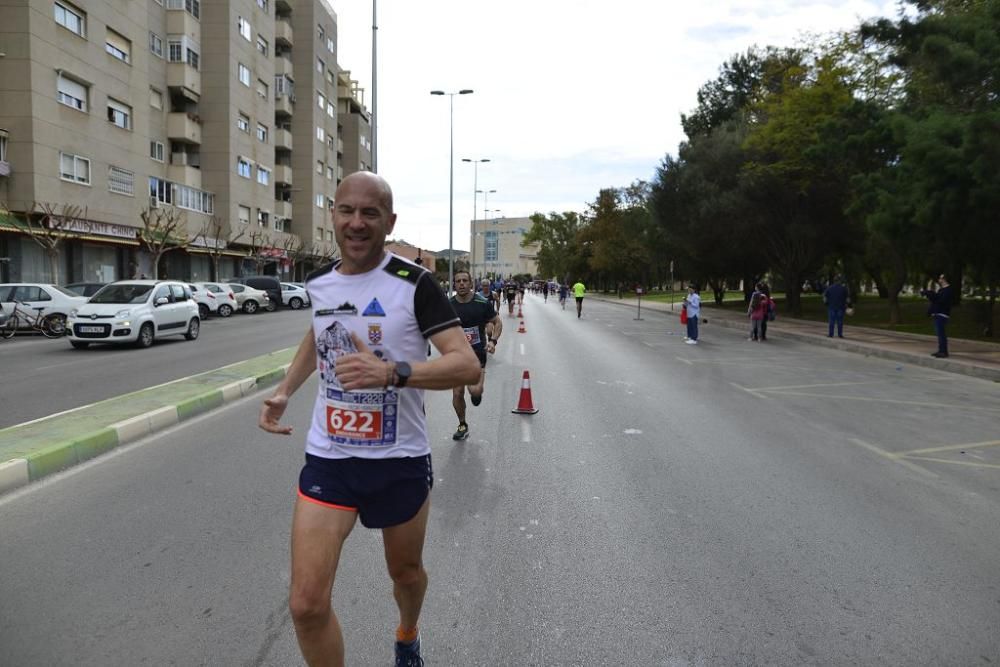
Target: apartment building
[222, 116]
[497, 250]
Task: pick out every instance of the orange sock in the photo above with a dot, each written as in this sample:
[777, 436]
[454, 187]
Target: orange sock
[406, 636]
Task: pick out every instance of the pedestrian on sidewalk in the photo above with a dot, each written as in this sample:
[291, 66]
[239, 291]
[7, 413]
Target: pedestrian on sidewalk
[940, 310]
[368, 454]
[765, 291]
[757, 312]
[693, 304]
[837, 301]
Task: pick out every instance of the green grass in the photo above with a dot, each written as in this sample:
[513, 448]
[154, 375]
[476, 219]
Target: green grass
[869, 311]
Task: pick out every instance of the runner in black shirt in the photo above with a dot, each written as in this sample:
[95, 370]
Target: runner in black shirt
[482, 328]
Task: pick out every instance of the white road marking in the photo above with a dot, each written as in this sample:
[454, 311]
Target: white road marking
[889, 456]
[525, 430]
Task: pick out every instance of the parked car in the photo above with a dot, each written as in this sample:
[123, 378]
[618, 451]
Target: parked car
[53, 301]
[207, 303]
[224, 297]
[294, 296]
[84, 289]
[268, 284]
[137, 312]
[250, 300]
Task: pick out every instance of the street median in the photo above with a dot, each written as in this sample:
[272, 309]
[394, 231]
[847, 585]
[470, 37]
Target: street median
[37, 449]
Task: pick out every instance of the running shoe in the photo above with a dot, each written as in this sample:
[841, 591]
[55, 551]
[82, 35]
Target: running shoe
[408, 655]
[476, 400]
[462, 433]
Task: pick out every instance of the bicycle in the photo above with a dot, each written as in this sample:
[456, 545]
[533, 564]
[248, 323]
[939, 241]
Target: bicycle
[50, 326]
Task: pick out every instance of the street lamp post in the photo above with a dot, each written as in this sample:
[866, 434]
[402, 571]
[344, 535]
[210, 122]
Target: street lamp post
[374, 127]
[451, 180]
[475, 184]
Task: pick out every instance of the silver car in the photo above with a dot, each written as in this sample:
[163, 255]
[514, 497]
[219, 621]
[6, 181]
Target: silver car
[249, 299]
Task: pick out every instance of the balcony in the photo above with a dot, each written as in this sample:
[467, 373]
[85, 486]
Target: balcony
[184, 127]
[180, 22]
[284, 104]
[185, 174]
[283, 174]
[283, 67]
[282, 209]
[283, 32]
[185, 78]
[283, 139]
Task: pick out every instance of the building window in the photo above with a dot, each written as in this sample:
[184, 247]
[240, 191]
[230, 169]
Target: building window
[279, 224]
[262, 89]
[118, 46]
[243, 214]
[192, 7]
[262, 218]
[329, 235]
[319, 204]
[329, 143]
[120, 114]
[72, 93]
[262, 45]
[155, 44]
[329, 173]
[319, 167]
[330, 110]
[320, 66]
[183, 50]
[262, 4]
[321, 101]
[121, 181]
[244, 27]
[74, 168]
[156, 151]
[243, 167]
[3, 147]
[155, 98]
[244, 75]
[491, 243]
[320, 33]
[243, 122]
[329, 44]
[71, 18]
[320, 134]
[263, 176]
[262, 132]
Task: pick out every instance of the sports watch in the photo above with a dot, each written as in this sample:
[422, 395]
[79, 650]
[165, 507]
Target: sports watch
[403, 372]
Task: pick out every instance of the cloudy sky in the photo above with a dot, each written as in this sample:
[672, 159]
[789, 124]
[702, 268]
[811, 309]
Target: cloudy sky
[571, 96]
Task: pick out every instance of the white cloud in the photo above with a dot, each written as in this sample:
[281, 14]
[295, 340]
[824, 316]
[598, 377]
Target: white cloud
[570, 96]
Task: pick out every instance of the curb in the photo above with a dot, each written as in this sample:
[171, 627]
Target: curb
[60, 456]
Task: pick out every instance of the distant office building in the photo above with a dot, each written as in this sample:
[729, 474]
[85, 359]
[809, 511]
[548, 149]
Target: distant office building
[228, 116]
[497, 250]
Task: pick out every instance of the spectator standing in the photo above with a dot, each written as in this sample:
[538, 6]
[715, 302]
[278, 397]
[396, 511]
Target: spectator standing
[940, 310]
[837, 300]
[693, 303]
[765, 291]
[757, 311]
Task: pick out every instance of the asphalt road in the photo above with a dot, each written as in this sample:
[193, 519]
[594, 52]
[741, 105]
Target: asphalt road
[729, 503]
[43, 377]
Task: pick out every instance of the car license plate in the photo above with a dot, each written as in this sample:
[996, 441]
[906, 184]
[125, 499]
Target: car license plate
[86, 329]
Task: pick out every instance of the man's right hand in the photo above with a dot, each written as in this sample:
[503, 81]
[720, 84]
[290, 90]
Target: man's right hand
[270, 415]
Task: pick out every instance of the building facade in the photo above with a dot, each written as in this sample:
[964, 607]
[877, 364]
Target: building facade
[222, 117]
[496, 244]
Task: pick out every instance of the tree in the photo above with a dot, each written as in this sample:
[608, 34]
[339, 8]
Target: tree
[210, 237]
[47, 225]
[555, 235]
[164, 229]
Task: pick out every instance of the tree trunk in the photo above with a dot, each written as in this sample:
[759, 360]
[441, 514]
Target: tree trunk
[53, 254]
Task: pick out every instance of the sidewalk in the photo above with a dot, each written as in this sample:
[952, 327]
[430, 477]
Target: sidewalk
[36, 449]
[981, 360]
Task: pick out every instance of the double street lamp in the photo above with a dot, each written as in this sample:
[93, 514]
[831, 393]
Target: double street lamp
[475, 200]
[451, 180]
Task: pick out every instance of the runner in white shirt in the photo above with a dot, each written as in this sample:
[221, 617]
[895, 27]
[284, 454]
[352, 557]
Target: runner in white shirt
[367, 451]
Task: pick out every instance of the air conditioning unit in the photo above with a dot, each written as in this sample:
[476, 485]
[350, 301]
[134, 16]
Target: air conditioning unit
[154, 202]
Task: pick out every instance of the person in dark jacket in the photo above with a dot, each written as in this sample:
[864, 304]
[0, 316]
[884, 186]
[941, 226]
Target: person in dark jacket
[940, 310]
[836, 299]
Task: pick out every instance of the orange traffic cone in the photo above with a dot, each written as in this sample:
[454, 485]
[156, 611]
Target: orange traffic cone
[520, 329]
[524, 405]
